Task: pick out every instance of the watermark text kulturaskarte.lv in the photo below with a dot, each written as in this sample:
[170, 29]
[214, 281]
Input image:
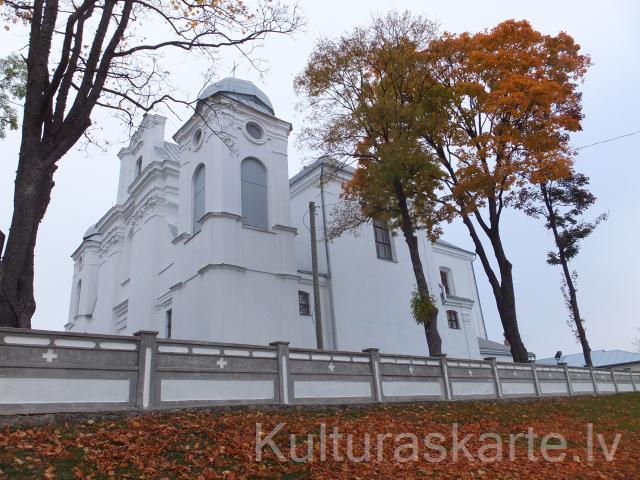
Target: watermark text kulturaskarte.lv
[329, 444]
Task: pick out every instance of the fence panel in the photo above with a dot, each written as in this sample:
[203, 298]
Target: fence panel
[204, 373]
[407, 378]
[553, 380]
[581, 381]
[325, 377]
[42, 371]
[623, 381]
[517, 380]
[471, 379]
[604, 381]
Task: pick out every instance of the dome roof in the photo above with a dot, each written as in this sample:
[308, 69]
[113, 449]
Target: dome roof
[91, 231]
[242, 90]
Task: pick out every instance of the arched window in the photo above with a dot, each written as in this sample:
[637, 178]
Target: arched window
[198, 197]
[78, 293]
[254, 193]
[138, 167]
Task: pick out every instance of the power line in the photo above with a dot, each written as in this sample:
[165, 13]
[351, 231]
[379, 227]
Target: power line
[609, 140]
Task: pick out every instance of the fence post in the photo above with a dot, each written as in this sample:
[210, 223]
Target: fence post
[445, 376]
[283, 371]
[565, 367]
[375, 371]
[596, 390]
[536, 382]
[633, 381]
[615, 381]
[147, 359]
[496, 376]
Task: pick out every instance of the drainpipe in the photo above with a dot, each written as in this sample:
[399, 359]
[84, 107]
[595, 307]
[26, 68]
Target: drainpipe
[334, 334]
[475, 282]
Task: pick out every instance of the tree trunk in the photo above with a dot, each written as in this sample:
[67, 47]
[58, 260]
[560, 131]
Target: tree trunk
[575, 312]
[573, 296]
[430, 323]
[508, 315]
[503, 290]
[33, 185]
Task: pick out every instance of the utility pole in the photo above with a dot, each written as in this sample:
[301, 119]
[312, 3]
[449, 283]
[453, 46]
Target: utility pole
[316, 275]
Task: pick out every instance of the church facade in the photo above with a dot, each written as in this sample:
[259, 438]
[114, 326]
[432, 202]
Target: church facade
[209, 240]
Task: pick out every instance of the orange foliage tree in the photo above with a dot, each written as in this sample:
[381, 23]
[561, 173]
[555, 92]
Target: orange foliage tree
[513, 99]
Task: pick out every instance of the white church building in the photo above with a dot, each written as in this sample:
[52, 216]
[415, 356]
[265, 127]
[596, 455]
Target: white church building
[209, 240]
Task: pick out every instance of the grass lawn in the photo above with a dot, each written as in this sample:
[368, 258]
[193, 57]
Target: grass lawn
[432, 440]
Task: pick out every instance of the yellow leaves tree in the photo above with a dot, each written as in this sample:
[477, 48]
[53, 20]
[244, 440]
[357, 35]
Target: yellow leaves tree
[369, 100]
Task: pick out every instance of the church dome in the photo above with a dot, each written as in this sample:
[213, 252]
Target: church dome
[242, 90]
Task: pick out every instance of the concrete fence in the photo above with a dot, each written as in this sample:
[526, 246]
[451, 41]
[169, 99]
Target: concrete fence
[47, 372]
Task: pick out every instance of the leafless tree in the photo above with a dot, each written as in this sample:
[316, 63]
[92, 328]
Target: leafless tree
[84, 54]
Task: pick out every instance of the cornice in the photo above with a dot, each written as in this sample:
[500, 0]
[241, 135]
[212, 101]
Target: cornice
[285, 228]
[458, 301]
[221, 214]
[454, 251]
[153, 170]
[221, 266]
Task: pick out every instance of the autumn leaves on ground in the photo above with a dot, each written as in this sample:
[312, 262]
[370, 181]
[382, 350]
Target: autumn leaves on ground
[355, 443]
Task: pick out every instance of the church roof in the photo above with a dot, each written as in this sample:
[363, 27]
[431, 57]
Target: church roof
[91, 231]
[241, 90]
[600, 358]
[171, 152]
[326, 161]
[349, 170]
[489, 347]
[444, 243]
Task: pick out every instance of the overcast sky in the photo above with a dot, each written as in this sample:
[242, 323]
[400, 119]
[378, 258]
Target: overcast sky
[608, 264]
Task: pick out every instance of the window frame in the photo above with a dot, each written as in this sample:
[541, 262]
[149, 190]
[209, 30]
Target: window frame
[304, 303]
[198, 197]
[257, 140]
[78, 298]
[385, 242]
[260, 190]
[138, 167]
[254, 127]
[445, 281]
[453, 320]
[168, 322]
[197, 139]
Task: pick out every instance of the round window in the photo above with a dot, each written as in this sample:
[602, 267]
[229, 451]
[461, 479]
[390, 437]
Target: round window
[255, 130]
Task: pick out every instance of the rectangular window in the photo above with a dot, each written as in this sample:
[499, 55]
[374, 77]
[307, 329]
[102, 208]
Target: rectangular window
[168, 319]
[444, 279]
[383, 240]
[303, 303]
[452, 319]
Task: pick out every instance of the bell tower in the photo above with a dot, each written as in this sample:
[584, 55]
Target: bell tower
[235, 240]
